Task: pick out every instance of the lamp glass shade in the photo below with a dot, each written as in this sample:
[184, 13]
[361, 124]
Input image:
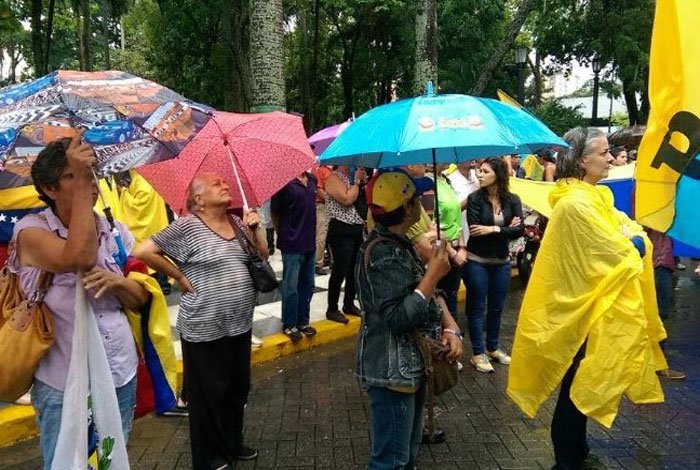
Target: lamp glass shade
[520, 55]
[596, 65]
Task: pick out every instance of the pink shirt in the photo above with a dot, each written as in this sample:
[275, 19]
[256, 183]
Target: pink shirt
[60, 298]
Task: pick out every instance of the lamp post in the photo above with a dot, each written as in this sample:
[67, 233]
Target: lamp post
[520, 61]
[596, 84]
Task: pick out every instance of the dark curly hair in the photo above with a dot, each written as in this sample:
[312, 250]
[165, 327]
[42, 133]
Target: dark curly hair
[48, 167]
[500, 168]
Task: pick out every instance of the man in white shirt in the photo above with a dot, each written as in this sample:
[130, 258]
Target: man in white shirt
[464, 182]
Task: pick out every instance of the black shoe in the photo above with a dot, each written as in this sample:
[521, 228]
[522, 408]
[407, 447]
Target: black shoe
[438, 437]
[335, 315]
[308, 330]
[353, 310]
[293, 334]
[246, 453]
[322, 271]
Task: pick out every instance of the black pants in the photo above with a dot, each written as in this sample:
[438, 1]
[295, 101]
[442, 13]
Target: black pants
[569, 424]
[450, 286]
[344, 246]
[218, 382]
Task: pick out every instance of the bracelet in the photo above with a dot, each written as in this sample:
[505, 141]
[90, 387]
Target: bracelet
[456, 333]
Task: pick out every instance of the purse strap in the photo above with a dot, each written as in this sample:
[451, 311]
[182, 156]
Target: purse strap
[246, 243]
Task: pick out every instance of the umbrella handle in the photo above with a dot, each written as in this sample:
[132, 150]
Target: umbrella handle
[436, 210]
[105, 208]
[238, 178]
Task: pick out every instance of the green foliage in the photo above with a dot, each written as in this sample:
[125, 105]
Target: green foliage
[558, 117]
[619, 120]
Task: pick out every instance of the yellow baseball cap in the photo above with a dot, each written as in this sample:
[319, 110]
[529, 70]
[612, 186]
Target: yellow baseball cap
[387, 191]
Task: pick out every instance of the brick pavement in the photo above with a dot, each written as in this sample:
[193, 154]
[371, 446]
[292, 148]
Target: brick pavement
[308, 411]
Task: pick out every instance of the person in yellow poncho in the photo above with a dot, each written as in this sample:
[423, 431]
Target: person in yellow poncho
[589, 318]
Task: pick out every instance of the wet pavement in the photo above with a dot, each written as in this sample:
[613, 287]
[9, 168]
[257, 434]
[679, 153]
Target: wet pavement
[308, 411]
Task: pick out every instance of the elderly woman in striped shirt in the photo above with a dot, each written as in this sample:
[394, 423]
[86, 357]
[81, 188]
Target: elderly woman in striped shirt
[201, 251]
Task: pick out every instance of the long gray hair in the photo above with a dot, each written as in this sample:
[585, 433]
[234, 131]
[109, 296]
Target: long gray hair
[580, 140]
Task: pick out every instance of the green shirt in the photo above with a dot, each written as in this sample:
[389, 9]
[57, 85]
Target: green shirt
[450, 210]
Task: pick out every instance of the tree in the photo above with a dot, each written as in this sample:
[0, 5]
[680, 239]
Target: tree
[426, 58]
[558, 117]
[506, 44]
[267, 57]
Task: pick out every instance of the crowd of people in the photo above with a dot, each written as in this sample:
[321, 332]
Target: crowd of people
[401, 270]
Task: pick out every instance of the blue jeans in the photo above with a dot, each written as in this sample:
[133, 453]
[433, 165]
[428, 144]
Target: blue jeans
[48, 405]
[396, 428]
[297, 287]
[487, 285]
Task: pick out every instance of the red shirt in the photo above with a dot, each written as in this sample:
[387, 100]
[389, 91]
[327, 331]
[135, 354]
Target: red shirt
[321, 173]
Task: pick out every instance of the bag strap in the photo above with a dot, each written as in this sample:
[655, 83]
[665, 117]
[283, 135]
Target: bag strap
[246, 243]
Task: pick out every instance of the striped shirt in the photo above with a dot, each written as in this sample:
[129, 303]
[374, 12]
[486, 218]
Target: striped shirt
[216, 267]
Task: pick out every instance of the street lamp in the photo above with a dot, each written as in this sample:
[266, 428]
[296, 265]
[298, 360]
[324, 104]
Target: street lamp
[596, 84]
[520, 61]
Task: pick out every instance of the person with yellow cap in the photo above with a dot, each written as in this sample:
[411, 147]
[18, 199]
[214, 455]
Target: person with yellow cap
[398, 300]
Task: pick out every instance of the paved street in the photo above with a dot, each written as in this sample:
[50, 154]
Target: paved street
[308, 411]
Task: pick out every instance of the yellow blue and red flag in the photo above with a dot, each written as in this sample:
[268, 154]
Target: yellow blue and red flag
[668, 165]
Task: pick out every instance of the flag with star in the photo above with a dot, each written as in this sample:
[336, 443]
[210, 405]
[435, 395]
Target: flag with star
[15, 203]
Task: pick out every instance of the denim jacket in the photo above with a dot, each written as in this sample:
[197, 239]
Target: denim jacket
[393, 312]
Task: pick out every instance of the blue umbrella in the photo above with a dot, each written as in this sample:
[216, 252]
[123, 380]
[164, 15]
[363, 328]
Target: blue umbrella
[438, 129]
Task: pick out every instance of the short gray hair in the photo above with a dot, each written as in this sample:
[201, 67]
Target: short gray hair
[580, 140]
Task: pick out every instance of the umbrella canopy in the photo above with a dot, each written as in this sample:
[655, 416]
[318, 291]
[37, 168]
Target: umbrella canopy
[129, 121]
[323, 138]
[257, 154]
[441, 128]
[630, 137]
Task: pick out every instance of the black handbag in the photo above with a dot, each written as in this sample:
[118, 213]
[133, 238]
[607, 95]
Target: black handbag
[264, 277]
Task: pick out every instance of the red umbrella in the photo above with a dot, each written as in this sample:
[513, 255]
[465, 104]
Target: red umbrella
[257, 154]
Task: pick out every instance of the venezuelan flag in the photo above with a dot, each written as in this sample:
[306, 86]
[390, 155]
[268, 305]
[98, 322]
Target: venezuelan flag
[668, 165]
[15, 203]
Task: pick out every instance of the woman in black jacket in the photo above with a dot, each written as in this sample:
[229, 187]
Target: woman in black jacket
[495, 216]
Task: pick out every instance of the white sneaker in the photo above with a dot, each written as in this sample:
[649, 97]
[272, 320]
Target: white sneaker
[459, 366]
[256, 342]
[499, 356]
[482, 363]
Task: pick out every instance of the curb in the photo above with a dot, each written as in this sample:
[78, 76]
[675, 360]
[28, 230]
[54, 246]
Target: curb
[17, 422]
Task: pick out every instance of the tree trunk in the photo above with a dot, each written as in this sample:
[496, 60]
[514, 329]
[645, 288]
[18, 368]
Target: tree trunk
[267, 55]
[13, 52]
[86, 35]
[631, 101]
[235, 15]
[313, 82]
[304, 65]
[49, 33]
[646, 105]
[37, 39]
[122, 34]
[106, 14]
[347, 79]
[426, 46]
[536, 69]
[503, 47]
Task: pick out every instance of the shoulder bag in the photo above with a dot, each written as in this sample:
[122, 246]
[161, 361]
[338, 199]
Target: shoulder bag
[26, 333]
[264, 277]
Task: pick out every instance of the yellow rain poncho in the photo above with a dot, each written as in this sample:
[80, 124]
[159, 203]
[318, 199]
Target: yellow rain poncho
[588, 284]
[142, 209]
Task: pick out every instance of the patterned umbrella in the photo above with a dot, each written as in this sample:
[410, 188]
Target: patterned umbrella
[257, 154]
[129, 121]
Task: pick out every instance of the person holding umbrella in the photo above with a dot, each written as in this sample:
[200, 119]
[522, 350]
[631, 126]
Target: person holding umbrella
[216, 314]
[69, 240]
[397, 296]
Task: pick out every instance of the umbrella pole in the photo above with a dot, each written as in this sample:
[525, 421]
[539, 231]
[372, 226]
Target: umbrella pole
[238, 178]
[106, 209]
[436, 212]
